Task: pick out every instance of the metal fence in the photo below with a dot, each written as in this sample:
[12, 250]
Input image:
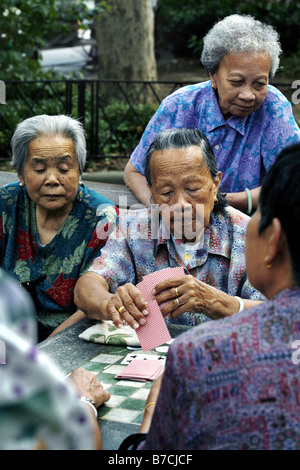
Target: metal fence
[113, 112]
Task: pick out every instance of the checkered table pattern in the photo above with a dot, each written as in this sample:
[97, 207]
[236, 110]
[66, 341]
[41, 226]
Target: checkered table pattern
[128, 397]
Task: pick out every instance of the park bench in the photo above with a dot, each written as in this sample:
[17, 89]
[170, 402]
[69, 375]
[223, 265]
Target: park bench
[119, 194]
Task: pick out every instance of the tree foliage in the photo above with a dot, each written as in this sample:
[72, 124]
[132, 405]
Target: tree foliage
[25, 27]
[185, 24]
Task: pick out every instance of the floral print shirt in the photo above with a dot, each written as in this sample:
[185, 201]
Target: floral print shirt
[38, 408]
[233, 384]
[245, 147]
[137, 247]
[52, 270]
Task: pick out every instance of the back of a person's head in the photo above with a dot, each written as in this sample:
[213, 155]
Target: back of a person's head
[280, 198]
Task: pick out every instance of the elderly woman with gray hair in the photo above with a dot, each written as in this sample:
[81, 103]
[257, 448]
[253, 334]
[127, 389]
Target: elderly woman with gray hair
[246, 120]
[52, 226]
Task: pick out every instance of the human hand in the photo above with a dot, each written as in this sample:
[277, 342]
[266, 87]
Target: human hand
[188, 294]
[89, 386]
[126, 305]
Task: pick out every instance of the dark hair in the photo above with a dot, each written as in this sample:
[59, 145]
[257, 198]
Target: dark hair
[280, 198]
[183, 138]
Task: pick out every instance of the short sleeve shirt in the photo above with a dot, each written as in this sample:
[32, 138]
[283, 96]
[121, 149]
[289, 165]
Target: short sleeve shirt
[135, 249]
[245, 147]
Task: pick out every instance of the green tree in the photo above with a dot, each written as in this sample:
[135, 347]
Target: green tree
[25, 26]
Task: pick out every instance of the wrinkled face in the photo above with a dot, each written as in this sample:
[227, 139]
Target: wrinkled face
[241, 82]
[183, 188]
[51, 173]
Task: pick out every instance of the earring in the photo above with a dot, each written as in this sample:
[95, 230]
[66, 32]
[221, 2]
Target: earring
[267, 265]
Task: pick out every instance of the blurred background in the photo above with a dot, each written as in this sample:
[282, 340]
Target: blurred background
[110, 63]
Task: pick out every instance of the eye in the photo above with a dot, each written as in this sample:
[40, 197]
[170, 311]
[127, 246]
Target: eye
[261, 84]
[63, 169]
[236, 82]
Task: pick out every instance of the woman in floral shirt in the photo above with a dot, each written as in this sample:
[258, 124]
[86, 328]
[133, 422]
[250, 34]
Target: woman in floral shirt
[49, 220]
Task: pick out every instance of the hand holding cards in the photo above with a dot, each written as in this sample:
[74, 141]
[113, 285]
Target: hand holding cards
[155, 332]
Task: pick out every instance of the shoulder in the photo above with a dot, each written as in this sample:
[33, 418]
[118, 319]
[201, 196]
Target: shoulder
[11, 188]
[218, 335]
[275, 103]
[189, 92]
[91, 198]
[234, 219]
[11, 195]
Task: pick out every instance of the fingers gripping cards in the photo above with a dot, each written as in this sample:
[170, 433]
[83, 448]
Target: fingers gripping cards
[155, 332]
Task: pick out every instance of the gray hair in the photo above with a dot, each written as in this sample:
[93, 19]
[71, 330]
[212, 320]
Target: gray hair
[183, 138]
[36, 126]
[238, 34]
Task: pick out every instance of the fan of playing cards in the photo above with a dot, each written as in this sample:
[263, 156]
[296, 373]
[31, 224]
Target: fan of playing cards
[155, 332]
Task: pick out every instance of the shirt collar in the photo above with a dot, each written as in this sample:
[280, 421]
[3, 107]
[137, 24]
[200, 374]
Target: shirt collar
[216, 239]
[216, 119]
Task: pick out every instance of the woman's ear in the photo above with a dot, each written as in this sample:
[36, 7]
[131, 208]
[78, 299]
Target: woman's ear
[22, 181]
[217, 182]
[213, 81]
[276, 242]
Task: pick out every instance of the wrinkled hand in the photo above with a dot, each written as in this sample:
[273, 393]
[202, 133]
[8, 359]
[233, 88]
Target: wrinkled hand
[89, 386]
[188, 294]
[127, 305]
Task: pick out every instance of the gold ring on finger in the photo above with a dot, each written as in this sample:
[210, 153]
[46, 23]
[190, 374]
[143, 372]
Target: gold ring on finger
[120, 310]
[176, 292]
[178, 303]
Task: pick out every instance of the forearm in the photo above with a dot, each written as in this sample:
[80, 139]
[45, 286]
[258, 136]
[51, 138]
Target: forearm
[91, 294]
[137, 184]
[225, 305]
[240, 200]
[78, 315]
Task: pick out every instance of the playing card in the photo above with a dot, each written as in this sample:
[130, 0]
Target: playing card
[143, 357]
[141, 370]
[155, 331]
[151, 280]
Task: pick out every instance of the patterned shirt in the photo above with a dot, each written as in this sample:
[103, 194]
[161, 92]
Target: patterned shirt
[37, 406]
[233, 384]
[137, 247]
[245, 147]
[54, 268]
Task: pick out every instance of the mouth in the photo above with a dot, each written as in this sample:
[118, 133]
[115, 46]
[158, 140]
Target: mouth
[52, 196]
[245, 108]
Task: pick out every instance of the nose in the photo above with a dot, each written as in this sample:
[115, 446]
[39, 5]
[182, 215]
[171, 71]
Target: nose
[180, 200]
[52, 177]
[247, 95]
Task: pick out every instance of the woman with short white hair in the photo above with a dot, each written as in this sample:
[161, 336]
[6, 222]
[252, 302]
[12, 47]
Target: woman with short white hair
[48, 221]
[246, 120]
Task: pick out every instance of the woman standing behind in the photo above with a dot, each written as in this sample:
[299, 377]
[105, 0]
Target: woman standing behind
[50, 222]
[246, 120]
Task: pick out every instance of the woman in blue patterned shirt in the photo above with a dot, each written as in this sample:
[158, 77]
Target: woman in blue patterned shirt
[246, 120]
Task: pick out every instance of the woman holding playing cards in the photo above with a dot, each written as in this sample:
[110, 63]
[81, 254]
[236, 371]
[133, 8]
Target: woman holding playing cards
[234, 384]
[189, 226]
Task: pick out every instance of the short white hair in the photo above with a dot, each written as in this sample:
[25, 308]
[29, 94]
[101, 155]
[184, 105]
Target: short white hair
[239, 34]
[44, 124]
